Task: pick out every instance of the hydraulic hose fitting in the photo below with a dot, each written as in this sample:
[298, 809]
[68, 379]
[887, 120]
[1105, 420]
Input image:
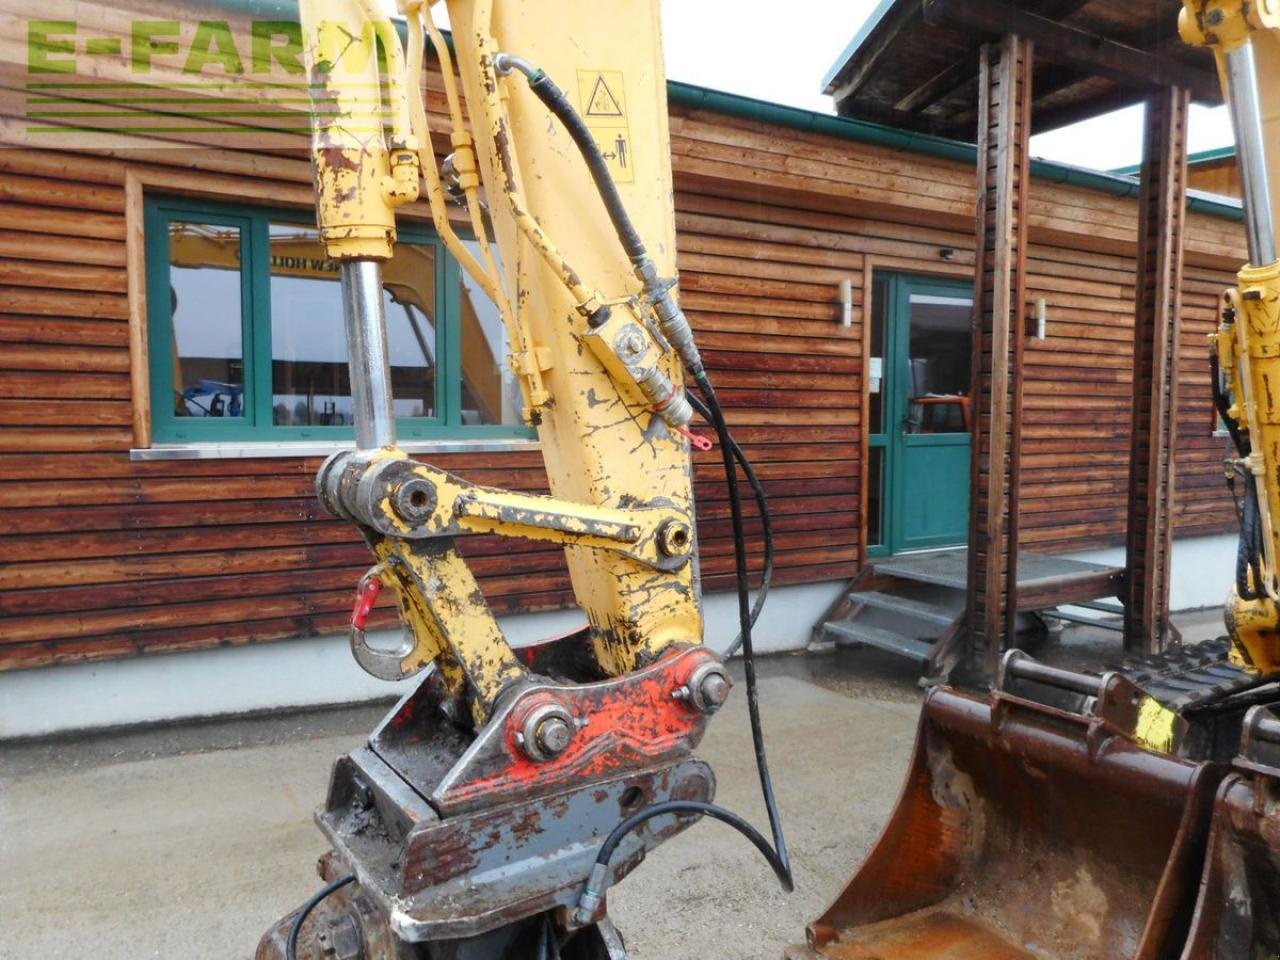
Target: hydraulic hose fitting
[589, 901]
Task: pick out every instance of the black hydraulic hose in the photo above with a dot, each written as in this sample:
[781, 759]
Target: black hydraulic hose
[291, 947]
[1249, 551]
[744, 619]
[1222, 403]
[766, 524]
[676, 327]
[553, 98]
[777, 854]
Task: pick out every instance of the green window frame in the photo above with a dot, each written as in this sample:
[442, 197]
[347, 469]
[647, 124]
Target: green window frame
[257, 423]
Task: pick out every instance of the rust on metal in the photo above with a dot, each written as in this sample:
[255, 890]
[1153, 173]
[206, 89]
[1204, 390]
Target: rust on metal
[1026, 831]
[1238, 913]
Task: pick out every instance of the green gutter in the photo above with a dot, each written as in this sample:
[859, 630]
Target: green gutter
[1203, 156]
[795, 118]
[864, 131]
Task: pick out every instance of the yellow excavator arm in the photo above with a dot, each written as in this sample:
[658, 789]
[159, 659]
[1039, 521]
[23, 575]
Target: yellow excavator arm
[530, 768]
[1245, 40]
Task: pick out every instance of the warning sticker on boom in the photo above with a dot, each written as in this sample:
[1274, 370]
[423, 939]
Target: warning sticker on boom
[604, 110]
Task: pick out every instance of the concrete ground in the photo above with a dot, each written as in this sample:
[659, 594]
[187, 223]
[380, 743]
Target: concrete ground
[188, 842]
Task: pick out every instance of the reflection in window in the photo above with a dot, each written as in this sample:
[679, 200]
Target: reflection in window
[939, 364]
[490, 391]
[205, 310]
[310, 381]
[875, 496]
[875, 367]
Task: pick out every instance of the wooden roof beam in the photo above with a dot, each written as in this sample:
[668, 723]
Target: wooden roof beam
[1069, 45]
[871, 54]
[960, 74]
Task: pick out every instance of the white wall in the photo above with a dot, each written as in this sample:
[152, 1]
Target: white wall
[319, 671]
[1203, 569]
[311, 672]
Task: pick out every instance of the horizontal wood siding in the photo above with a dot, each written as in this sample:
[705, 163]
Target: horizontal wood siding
[101, 556]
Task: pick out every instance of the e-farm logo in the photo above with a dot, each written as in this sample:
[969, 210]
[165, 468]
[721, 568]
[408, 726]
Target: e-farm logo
[165, 77]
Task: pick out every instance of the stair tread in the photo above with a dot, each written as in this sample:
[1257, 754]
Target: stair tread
[917, 608]
[880, 638]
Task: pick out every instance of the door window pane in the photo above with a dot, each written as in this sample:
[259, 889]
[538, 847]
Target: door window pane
[875, 364]
[310, 381]
[875, 496]
[205, 312]
[490, 391]
[939, 364]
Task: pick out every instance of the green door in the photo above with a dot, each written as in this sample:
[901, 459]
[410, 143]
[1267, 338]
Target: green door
[920, 438]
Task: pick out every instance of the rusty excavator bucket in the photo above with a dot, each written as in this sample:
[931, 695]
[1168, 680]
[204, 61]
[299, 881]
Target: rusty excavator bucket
[1027, 830]
[1238, 914]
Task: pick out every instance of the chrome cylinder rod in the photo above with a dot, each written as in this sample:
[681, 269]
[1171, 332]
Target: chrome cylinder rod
[1246, 119]
[367, 356]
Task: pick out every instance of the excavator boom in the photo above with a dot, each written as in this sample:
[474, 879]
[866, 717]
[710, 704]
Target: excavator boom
[487, 815]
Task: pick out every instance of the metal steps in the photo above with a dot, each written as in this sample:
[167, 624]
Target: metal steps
[930, 612]
[844, 633]
[905, 617]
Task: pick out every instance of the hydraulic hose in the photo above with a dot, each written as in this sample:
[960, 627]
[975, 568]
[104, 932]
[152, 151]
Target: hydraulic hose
[291, 947]
[675, 325]
[1250, 547]
[744, 621]
[1249, 551]
[766, 524]
[1222, 403]
[679, 333]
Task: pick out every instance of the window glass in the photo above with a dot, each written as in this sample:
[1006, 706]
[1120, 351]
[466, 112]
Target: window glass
[875, 366]
[205, 311]
[310, 382]
[875, 496]
[939, 364]
[490, 391]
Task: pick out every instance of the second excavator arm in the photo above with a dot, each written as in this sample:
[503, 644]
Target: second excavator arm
[1245, 40]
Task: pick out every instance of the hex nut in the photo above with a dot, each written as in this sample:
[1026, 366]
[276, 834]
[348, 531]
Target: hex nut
[675, 539]
[546, 732]
[708, 687]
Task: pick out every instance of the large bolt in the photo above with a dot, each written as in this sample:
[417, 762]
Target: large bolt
[547, 732]
[553, 735]
[708, 688]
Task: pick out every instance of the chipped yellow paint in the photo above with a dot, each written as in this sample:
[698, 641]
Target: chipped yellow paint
[452, 626]
[361, 173]
[620, 478]
[601, 443]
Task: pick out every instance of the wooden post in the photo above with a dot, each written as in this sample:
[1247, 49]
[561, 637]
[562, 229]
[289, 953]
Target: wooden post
[1157, 317]
[1004, 126]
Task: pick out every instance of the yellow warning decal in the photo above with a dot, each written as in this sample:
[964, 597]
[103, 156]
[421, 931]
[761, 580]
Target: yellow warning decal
[1156, 729]
[604, 110]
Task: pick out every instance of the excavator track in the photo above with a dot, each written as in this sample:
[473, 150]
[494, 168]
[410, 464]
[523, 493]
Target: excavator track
[1192, 678]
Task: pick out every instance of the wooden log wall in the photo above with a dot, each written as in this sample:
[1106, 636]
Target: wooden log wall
[101, 556]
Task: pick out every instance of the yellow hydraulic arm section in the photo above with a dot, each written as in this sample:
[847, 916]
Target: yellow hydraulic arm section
[1245, 38]
[596, 337]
